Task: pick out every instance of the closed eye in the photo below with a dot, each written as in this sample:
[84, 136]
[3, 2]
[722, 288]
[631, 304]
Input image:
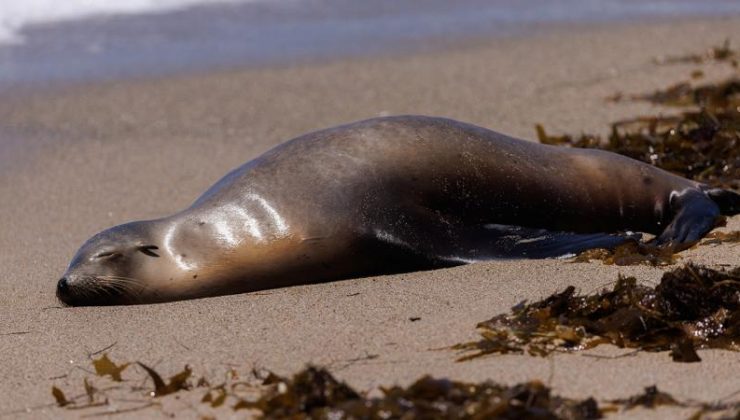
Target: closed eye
[107, 254]
[149, 250]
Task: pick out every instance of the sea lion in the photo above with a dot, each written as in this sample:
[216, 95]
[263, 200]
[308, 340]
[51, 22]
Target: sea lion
[389, 195]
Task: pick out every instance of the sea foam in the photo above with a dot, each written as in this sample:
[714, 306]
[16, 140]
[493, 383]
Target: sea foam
[15, 15]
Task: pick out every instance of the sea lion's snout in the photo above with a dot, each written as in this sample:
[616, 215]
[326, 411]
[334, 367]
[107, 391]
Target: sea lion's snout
[63, 290]
[75, 290]
[69, 291]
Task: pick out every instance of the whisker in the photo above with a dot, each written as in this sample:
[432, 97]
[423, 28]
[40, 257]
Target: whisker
[107, 286]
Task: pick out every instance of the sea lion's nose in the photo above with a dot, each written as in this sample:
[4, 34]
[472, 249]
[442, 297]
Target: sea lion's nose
[63, 288]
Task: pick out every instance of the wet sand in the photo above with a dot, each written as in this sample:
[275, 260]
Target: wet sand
[76, 160]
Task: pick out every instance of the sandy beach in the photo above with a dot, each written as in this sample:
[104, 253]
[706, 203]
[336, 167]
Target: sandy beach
[78, 159]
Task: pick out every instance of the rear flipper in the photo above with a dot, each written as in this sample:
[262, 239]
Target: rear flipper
[728, 201]
[695, 214]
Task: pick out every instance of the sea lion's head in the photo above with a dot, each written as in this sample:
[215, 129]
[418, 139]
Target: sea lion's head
[120, 265]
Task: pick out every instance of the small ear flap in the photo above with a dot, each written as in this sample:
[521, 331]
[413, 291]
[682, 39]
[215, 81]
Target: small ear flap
[728, 201]
[148, 250]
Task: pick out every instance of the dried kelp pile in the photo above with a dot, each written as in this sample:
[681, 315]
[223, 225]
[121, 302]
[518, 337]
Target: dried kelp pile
[315, 394]
[693, 307]
[702, 142]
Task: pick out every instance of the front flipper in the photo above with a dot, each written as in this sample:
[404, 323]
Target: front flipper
[695, 214]
[504, 241]
[445, 241]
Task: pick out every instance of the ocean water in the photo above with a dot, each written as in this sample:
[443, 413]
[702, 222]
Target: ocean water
[15, 15]
[53, 41]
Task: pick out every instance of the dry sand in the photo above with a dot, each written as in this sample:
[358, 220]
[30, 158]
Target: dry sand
[95, 156]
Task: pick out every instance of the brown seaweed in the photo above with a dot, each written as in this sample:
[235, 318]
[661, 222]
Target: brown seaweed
[176, 382]
[716, 238]
[104, 366]
[651, 397]
[630, 253]
[721, 53]
[59, 396]
[693, 307]
[216, 397]
[310, 391]
[713, 97]
[315, 394]
[645, 253]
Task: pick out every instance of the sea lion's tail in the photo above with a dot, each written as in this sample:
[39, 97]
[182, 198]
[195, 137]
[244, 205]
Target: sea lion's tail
[728, 201]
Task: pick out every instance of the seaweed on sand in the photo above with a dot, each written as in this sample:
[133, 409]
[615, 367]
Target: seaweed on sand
[315, 394]
[716, 238]
[651, 397]
[723, 52]
[646, 253]
[105, 367]
[630, 253]
[693, 307]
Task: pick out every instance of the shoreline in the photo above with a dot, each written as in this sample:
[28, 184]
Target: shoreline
[15, 57]
[99, 154]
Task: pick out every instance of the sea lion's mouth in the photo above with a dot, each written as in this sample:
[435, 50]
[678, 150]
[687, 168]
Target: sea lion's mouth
[96, 291]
